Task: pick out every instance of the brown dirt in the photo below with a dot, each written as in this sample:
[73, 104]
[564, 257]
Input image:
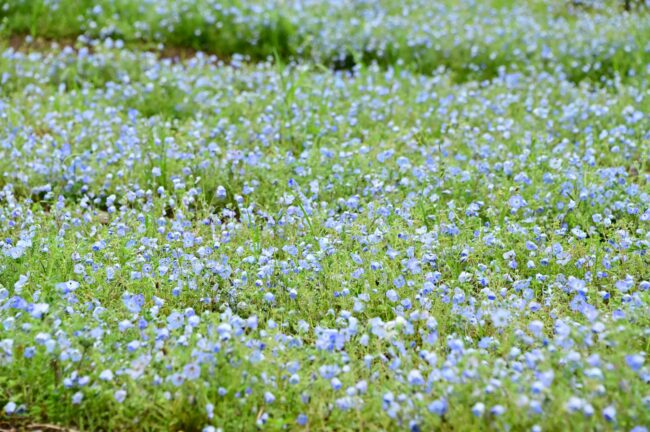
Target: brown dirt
[175, 53]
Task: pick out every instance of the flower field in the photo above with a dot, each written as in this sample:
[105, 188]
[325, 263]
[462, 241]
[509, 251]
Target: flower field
[324, 215]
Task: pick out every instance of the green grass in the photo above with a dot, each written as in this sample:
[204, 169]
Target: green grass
[298, 149]
[592, 44]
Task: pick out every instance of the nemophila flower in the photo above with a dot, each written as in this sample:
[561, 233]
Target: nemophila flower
[192, 371]
[176, 379]
[124, 325]
[17, 302]
[645, 217]
[345, 403]
[29, 352]
[415, 378]
[485, 342]
[516, 202]
[635, 361]
[301, 419]
[478, 409]
[588, 410]
[500, 318]
[392, 295]
[399, 281]
[67, 287]
[38, 310]
[77, 398]
[20, 283]
[106, 375]
[413, 266]
[577, 285]
[438, 407]
[625, 285]
[464, 277]
[262, 420]
[269, 398]
[133, 303]
[497, 410]
[574, 404]
[175, 320]
[10, 407]
[120, 396]
[609, 413]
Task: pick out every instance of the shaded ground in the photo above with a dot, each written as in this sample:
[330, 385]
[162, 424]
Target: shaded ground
[26, 43]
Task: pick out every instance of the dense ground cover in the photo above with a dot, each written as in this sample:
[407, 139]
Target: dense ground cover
[281, 245]
[471, 39]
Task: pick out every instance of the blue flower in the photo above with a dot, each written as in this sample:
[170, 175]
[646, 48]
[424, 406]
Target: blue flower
[120, 396]
[438, 407]
[609, 413]
[497, 410]
[635, 361]
[133, 303]
[392, 295]
[106, 375]
[301, 419]
[10, 407]
[67, 287]
[415, 378]
[478, 409]
[175, 321]
[192, 371]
